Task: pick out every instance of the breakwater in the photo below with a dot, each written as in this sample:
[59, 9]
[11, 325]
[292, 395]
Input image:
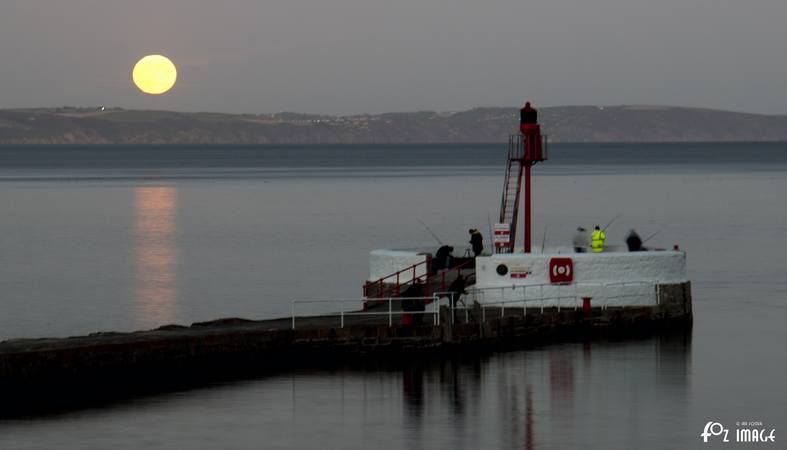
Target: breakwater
[37, 373]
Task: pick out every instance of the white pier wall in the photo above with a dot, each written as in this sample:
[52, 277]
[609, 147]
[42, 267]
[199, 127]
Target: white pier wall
[611, 279]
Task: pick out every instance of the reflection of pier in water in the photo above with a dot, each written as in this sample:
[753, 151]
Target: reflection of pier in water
[155, 254]
[559, 396]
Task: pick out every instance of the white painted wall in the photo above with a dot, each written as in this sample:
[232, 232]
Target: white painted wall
[596, 275]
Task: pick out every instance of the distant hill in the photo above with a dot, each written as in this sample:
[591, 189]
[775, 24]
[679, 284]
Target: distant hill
[562, 124]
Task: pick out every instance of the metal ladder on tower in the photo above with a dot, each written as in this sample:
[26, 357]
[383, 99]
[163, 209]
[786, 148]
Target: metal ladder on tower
[512, 187]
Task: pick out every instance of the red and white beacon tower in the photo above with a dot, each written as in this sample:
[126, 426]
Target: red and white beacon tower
[524, 150]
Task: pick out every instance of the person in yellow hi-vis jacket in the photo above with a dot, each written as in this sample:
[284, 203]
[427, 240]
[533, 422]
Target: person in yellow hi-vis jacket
[597, 240]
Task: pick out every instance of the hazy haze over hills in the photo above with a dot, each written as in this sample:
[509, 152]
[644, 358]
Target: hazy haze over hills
[562, 124]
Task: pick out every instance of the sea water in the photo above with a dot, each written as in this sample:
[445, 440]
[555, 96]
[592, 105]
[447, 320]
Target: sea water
[121, 238]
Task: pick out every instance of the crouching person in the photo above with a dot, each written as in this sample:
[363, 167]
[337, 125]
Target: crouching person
[413, 304]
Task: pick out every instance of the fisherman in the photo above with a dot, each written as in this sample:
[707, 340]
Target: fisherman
[634, 242]
[442, 259]
[413, 301]
[477, 241]
[581, 240]
[456, 289]
[598, 237]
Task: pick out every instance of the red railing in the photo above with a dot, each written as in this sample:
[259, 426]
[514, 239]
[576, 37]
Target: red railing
[442, 287]
[397, 276]
[391, 285]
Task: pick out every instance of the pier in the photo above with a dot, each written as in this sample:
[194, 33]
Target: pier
[37, 373]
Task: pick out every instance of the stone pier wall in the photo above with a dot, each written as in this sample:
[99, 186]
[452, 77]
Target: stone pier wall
[176, 356]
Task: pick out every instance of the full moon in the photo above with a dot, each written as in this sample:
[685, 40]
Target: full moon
[155, 74]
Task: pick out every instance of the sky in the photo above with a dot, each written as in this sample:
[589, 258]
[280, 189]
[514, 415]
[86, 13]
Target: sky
[372, 56]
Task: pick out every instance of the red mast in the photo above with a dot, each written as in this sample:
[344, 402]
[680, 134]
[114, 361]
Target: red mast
[532, 152]
[525, 150]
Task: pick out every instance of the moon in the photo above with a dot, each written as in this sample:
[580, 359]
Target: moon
[155, 74]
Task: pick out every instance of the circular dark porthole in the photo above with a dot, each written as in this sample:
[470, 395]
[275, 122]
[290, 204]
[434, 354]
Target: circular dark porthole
[502, 269]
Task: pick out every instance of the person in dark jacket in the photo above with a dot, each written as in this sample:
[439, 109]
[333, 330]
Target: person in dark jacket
[634, 242]
[477, 241]
[442, 259]
[412, 302]
[456, 289]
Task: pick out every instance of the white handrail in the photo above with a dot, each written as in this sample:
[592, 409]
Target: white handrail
[481, 294]
[436, 298]
[577, 286]
[390, 313]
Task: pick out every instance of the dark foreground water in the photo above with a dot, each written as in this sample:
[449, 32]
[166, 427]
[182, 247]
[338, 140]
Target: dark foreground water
[124, 238]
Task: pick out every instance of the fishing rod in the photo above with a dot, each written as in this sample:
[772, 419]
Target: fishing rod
[431, 232]
[544, 240]
[651, 236]
[611, 222]
[491, 233]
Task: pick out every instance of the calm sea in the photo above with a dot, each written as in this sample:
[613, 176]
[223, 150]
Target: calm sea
[117, 238]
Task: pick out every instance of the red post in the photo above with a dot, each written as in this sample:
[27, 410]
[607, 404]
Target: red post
[532, 153]
[586, 304]
[528, 207]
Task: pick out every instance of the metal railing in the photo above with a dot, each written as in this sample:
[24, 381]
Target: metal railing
[396, 278]
[556, 295]
[434, 310]
[549, 295]
[516, 147]
[396, 282]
